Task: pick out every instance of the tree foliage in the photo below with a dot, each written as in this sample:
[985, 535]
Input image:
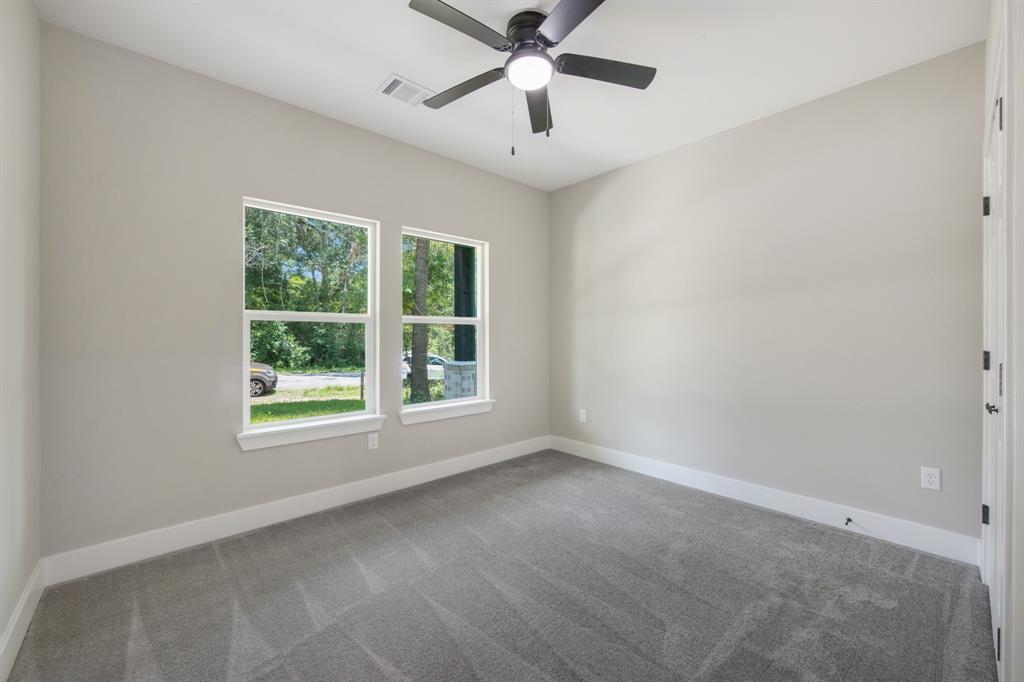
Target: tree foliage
[274, 344]
[439, 297]
[305, 264]
[419, 387]
[439, 279]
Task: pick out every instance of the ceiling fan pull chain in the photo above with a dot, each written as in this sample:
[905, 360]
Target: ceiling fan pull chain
[547, 116]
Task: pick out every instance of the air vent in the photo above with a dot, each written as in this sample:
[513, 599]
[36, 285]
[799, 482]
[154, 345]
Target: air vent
[403, 89]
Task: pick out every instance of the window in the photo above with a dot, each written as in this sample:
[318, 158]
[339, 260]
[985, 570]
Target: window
[444, 326]
[309, 332]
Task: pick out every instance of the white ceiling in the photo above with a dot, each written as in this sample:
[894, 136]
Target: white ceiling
[721, 64]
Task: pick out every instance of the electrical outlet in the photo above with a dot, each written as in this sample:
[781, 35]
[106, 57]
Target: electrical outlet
[583, 416]
[931, 478]
[371, 441]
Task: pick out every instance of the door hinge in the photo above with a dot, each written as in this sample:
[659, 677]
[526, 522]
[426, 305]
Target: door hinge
[986, 359]
[984, 514]
[1000, 113]
[1000, 380]
[985, 206]
[999, 644]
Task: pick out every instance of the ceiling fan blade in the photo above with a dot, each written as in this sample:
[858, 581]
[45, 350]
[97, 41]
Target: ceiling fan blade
[540, 110]
[464, 88]
[607, 70]
[448, 15]
[567, 15]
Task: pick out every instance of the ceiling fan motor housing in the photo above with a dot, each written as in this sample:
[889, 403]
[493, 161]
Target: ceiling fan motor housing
[522, 29]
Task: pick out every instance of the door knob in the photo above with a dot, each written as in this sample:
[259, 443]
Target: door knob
[992, 409]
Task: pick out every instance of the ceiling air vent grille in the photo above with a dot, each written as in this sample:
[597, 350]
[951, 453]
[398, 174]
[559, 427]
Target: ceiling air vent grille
[403, 89]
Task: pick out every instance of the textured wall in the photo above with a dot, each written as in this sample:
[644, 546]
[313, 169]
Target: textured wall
[145, 167]
[795, 303]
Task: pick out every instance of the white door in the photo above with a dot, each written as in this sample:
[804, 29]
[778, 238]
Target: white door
[994, 479]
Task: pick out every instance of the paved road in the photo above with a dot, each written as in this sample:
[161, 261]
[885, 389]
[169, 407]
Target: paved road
[287, 382]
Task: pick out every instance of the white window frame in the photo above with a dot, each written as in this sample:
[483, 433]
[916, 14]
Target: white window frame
[313, 428]
[482, 401]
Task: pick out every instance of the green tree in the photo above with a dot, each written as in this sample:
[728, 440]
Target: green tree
[420, 386]
[272, 342]
[306, 264]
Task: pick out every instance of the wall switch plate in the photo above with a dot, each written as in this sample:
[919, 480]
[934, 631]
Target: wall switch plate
[583, 416]
[931, 478]
[371, 441]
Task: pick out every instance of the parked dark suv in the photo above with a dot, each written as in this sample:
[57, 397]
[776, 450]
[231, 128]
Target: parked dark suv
[262, 379]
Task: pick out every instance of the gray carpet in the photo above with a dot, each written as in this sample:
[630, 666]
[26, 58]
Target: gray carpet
[544, 567]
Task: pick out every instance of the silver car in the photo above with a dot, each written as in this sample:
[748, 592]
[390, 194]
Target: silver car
[435, 366]
[262, 379]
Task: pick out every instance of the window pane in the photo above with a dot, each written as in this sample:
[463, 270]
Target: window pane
[304, 264]
[300, 370]
[438, 278]
[438, 363]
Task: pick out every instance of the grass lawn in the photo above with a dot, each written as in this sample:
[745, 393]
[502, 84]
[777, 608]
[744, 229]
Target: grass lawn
[304, 403]
[342, 369]
[301, 409]
[436, 393]
[325, 392]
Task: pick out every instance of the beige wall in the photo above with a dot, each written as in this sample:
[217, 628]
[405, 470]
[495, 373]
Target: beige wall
[145, 167]
[795, 303]
[19, 301]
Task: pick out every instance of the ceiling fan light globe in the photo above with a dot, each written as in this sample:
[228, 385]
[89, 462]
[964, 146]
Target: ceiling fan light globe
[529, 70]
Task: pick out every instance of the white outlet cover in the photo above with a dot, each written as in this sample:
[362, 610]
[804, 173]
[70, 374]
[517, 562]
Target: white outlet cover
[372, 441]
[931, 478]
[583, 416]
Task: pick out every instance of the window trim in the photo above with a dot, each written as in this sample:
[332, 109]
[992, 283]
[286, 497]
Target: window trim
[444, 409]
[286, 433]
[482, 401]
[313, 428]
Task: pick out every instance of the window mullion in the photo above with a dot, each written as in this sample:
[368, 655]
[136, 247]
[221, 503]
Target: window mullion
[440, 319]
[306, 316]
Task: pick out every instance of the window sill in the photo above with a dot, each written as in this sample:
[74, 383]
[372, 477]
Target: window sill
[430, 413]
[286, 434]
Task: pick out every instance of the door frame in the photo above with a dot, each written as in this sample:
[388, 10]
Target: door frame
[996, 471]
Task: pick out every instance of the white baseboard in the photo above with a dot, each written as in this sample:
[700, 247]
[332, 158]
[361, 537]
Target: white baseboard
[95, 558]
[908, 533]
[17, 626]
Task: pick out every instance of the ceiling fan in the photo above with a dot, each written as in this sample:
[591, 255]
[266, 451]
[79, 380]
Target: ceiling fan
[529, 36]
